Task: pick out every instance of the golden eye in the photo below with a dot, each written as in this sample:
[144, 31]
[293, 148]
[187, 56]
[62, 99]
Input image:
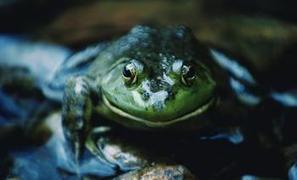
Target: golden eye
[129, 73]
[188, 75]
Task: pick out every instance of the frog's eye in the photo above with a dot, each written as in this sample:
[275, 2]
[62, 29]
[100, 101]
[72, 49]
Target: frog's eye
[129, 73]
[188, 74]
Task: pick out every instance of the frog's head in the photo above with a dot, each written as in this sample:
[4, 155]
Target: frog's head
[160, 80]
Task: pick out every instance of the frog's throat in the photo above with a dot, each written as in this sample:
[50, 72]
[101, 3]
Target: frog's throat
[194, 113]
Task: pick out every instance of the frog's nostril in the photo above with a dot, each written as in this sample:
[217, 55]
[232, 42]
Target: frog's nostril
[170, 95]
[145, 96]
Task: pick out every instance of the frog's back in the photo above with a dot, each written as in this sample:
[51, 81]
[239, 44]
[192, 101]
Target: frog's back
[145, 42]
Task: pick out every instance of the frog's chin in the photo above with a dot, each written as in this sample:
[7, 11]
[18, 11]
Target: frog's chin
[200, 110]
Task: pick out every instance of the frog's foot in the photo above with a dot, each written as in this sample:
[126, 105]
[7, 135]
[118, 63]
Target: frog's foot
[76, 112]
[159, 171]
[114, 153]
[117, 156]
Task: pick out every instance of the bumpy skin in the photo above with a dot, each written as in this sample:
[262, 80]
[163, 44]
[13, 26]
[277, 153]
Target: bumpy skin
[168, 87]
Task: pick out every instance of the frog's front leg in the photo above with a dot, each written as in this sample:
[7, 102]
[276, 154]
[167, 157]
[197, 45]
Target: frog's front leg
[76, 111]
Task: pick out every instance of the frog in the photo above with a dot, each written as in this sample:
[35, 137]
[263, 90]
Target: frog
[156, 79]
[148, 79]
[153, 80]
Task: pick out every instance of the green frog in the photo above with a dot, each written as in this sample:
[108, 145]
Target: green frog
[149, 79]
[158, 80]
[153, 79]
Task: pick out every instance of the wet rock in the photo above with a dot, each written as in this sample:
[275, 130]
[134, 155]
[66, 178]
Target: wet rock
[160, 171]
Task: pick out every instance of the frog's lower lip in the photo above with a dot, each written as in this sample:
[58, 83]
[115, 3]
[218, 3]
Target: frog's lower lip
[184, 117]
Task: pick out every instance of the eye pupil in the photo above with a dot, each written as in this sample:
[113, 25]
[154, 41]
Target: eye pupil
[187, 74]
[188, 71]
[127, 72]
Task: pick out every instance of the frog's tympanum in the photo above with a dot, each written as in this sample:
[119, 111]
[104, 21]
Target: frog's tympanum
[151, 78]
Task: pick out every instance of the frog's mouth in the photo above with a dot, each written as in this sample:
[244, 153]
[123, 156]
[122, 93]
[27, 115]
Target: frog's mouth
[200, 110]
